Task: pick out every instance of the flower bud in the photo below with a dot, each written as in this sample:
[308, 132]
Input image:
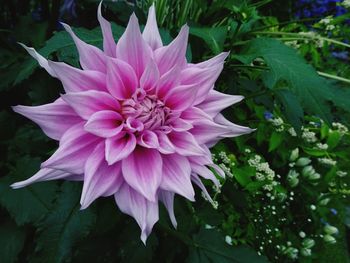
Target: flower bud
[306, 252]
[325, 201]
[294, 155]
[303, 161]
[331, 230]
[314, 176]
[329, 239]
[307, 171]
[308, 243]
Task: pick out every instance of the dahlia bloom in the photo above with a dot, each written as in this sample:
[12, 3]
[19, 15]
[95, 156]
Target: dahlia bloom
[135, 122]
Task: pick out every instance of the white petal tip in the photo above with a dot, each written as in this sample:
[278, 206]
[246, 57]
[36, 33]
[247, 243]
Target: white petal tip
[18, 185]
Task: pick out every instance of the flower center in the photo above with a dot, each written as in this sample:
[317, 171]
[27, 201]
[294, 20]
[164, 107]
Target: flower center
[148, 109]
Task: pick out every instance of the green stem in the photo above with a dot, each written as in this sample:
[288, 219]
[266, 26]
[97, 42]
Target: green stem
[286, 23]
[261, 3]
[326, 75]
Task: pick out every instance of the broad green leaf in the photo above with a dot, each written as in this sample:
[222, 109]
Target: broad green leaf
[213, 36]
[30, 203]
[11, 242]
[285, 65]
[64, 226]
[314, 152]
[333, 139]
[275, 140]
[242, 175]
[210, 246]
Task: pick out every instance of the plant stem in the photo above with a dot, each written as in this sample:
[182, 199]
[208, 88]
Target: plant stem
[323, 74]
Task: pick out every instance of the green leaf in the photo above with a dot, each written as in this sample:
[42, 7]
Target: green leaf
[275, 140]
[333, 139]
[242, 175]
[210, 246]
[314, 152]
[11, 242]
[312, 91]
[30, 203]
[62, 43]
[64, 226]
[213, 36]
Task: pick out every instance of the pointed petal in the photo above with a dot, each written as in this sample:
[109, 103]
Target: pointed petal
[165, 145]
[76, 145]
[143, 211]
[174, 53]
[177, 175]
[87, 103]
[119, 147]
[53, 118]
[43, 175]
[100, 179]
[121, 79]
[205, 173]
[105, 123]
[199, 183]
[233, 130]
[151, 33]
[185, 144]
[43, 62]
[142, 170]
[216, 101]
[109, 46]
[132, 48]
[219, 59]
[148, 139]
[181, 97]
[180, 125]
[168, 81]
[167, 199]
[75, 80]
[150, 76]
[90, 56]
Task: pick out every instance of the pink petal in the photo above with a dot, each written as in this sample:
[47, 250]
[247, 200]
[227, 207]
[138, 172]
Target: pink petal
[43, 175]
[151, 33]
[105, 123]
[43, 62]
[121, 79]
[150, 76]
[168, 200]
[53, 118]
[216, 101]
[76, 145]
[232, 130]
[90, 56]
[177, 175]
[133, 125]
[109, 46]
[143, 211]
[142, 170]
[199, 183]
[119, 147]
[180, 125]
[100, 179]
[132, 48]
[205, 173]
[185, 144]
[87, 103]
[173, 54]
[193, 114]
[148, 139]
[165, 145]
[168, 81]
[181, 97]
[75, 80]
[219, 59]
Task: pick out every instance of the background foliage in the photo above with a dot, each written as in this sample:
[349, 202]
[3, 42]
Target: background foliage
[286, 194]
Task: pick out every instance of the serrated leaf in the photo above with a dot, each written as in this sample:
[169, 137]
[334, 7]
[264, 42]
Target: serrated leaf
[11, 242]
[312, 91]
[210, 246]
[64, 226]
[214, 37]
[27, 204]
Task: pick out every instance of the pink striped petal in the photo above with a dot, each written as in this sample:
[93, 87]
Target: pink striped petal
[143, 211]
[90, 56]
[76, 145]
[205, 173]
[105, 123]
[177, 175]
[173, 54]
[132, 48]
[185, 144]
[167, 199]
[121, 79]
[232, 130]
[53, 118]
[165, 145]
[199, 183]
[150, 76]
[219, 59]
[43, 175]
[168, 81]
[216, 101]
[142, 170]
[119, 147]
[87, 103]
[151, 33]
[109, 46]
[181, 97]
[148, 139]
[100, 179]
[75, 80]
[180, 125]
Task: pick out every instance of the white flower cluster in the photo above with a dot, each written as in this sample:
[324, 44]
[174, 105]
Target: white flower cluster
[263, 171]
[327, 161]
[341, 173]
[322, 146]
[327, 22]
[341, 128]
[278, 123]
[308, 135]
[313, 36]
[346, 3]
[292, 132]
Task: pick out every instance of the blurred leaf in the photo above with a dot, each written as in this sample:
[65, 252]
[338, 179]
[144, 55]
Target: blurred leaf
[64, 226]
[210, 246]
[275, 140]
[27, 204]
[11, 242]
[242, 175]
[213, 36]
[333, 139]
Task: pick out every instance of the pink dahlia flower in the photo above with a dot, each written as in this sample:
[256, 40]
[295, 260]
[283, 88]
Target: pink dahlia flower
[135, 122]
